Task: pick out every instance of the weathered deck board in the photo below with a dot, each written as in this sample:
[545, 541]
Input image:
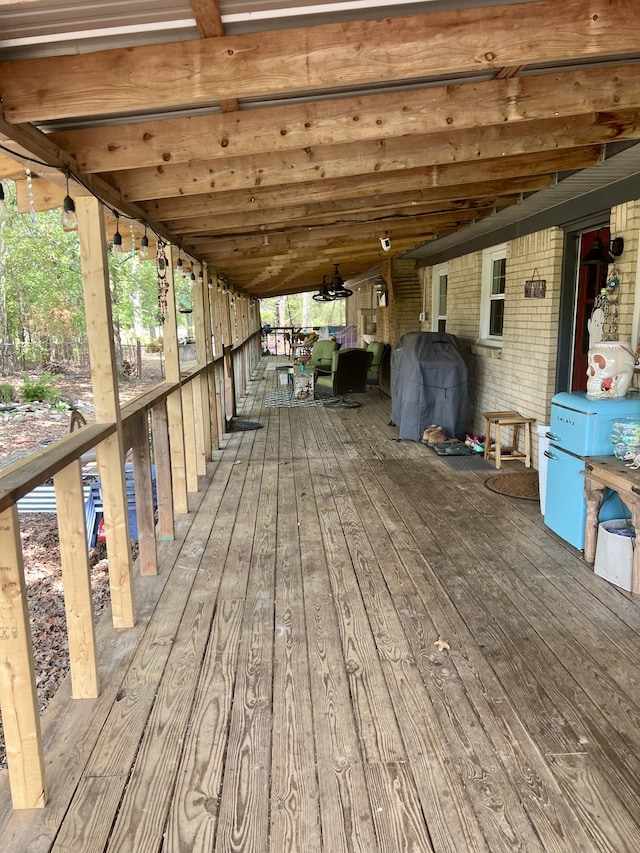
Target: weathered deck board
[302, 704]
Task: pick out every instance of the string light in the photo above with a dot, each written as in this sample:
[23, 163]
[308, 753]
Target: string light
[69, 218]
[4, 210]
[143, 251]
[117, 237]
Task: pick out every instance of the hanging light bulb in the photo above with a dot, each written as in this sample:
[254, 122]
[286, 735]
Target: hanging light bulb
[69, 219]
[143, 251]
[179, 265]
[4, 210]
[210, 283]
[117, 237]
[200, 277]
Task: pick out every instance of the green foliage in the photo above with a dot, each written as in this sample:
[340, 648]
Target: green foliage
[7, 392]
[40, 390]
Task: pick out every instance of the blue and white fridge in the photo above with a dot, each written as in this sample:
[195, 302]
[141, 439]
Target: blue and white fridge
[579, 427]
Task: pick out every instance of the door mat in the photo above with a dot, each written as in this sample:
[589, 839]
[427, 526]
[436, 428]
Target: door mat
[476, 462]
[520, 484]
[285, 399]
[242, 426]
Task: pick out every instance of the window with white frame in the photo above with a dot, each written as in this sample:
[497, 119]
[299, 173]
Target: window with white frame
[494, 266]
[440, 279]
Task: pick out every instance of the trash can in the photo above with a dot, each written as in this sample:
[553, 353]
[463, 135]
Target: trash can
[614, 552]
[543, 444]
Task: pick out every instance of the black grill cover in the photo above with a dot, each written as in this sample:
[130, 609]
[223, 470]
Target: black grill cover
[428, 384]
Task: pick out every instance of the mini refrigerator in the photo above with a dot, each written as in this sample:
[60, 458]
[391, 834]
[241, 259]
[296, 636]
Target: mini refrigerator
[579, 427]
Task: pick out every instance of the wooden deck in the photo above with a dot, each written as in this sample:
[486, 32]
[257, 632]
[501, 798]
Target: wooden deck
[283, 689]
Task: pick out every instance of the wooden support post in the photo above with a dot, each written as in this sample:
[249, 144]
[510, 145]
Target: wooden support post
[18, 695]
[174, 401]
[202, 408]
[143, 482]
[76, 579]
[104, 381]
[162, 457]
[189, 429]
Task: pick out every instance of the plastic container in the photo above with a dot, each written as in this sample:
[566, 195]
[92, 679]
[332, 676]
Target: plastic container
[543, 444]
[614, 553]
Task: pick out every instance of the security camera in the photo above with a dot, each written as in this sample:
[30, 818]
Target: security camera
[385, 242]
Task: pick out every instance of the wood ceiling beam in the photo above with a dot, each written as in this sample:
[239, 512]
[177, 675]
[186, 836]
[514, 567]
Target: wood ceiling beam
[334, 56]
[235, 206]
[405, 180]
[347, 191]
[375, 157]
[208, 20]
[379, 218]
[371, 117]
[303, 237]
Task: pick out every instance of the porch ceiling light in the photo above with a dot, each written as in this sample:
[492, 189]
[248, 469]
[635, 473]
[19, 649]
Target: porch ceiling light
[323, 294]
[337, 289]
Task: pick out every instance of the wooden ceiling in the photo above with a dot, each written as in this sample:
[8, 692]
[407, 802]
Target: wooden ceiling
[272, 155]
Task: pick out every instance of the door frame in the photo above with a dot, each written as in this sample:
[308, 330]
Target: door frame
[568, 294]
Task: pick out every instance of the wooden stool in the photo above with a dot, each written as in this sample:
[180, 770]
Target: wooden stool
[508, 419]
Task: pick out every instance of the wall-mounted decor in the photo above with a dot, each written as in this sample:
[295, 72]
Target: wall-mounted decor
[535, 287]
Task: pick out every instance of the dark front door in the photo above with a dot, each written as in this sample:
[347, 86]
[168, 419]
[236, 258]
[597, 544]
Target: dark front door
[591, 279]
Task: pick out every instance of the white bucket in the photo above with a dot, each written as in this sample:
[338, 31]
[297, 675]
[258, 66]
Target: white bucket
[614, 554]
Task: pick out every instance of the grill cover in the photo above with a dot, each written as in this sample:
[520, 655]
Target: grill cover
[428, 384]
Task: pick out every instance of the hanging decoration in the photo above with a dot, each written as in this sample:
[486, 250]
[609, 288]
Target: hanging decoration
[163, 285]
[611, 294]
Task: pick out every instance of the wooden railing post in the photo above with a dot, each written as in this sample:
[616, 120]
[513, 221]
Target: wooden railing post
[201, 386]
[104, 381]
[18, 695]
[143, 481]
[162, 457]
[174, 401]
[76, 578]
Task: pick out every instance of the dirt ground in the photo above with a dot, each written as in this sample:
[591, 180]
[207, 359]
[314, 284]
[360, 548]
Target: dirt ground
[39, 531]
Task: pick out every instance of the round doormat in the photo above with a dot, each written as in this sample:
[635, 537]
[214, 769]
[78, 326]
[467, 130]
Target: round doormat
[519, 484]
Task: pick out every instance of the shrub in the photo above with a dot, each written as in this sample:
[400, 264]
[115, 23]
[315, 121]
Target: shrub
[7, 393]
[41, 390]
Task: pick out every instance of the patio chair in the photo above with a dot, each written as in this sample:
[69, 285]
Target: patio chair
[348, 375]
[380, 351]
[321, 356]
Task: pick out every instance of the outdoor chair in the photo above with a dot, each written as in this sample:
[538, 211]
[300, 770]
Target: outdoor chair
[348, 375]
[321, 356]
[379, 351]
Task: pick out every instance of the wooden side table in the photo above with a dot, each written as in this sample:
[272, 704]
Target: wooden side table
[607, 472]
[507, 419]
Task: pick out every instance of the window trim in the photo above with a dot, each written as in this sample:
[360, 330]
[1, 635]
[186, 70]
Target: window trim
[494, 253]
[436, 273]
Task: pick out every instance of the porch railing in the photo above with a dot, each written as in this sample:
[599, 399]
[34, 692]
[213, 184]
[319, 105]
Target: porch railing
[208, 396]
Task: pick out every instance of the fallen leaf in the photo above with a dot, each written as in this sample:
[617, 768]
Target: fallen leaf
[442, 644]
[162, 641]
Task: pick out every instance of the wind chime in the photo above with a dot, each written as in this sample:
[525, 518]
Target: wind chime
[163, 284]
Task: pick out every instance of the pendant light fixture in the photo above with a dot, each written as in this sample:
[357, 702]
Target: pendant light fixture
[4, 210]
[143, 251]
[337, 289]
[69, 219]
[117, 237]
[323, 294]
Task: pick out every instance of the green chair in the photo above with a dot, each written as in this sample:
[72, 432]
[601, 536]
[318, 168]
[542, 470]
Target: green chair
[348, 376]
[379, 351]
[321, 355]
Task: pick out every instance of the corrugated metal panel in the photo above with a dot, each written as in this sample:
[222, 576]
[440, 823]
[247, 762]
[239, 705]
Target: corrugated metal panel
[56, 27]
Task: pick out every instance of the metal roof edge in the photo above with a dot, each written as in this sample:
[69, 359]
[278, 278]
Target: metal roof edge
[582, 194]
